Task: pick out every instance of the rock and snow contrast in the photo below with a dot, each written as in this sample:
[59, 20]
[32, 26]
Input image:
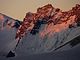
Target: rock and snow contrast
[46, 31]
[8, 28]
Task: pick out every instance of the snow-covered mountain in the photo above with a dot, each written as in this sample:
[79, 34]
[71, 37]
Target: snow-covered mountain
[48, 32]
[8, 28]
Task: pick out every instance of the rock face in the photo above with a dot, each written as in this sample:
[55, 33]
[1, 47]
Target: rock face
[8, 22]
[51, 17]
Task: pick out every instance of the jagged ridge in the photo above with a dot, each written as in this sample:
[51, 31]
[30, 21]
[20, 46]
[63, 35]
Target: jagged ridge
[6, 21]
[56, 20]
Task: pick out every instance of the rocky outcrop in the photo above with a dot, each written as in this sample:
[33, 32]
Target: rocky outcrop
[50, 16]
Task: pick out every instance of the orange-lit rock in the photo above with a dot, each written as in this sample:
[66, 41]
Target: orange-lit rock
[56, 19]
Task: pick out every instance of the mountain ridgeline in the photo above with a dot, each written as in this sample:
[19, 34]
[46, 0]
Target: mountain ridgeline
[8, 22]
[52, 17]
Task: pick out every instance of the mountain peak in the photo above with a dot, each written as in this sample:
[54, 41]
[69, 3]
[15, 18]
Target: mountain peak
[6, 21]
[55, 19]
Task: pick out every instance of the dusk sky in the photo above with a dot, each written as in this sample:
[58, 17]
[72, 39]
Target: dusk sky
[18, 8]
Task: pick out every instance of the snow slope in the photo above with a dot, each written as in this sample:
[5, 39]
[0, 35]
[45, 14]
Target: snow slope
[71, 54]
[31, 44]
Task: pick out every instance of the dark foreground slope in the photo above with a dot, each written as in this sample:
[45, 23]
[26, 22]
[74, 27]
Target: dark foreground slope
[73, 54]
